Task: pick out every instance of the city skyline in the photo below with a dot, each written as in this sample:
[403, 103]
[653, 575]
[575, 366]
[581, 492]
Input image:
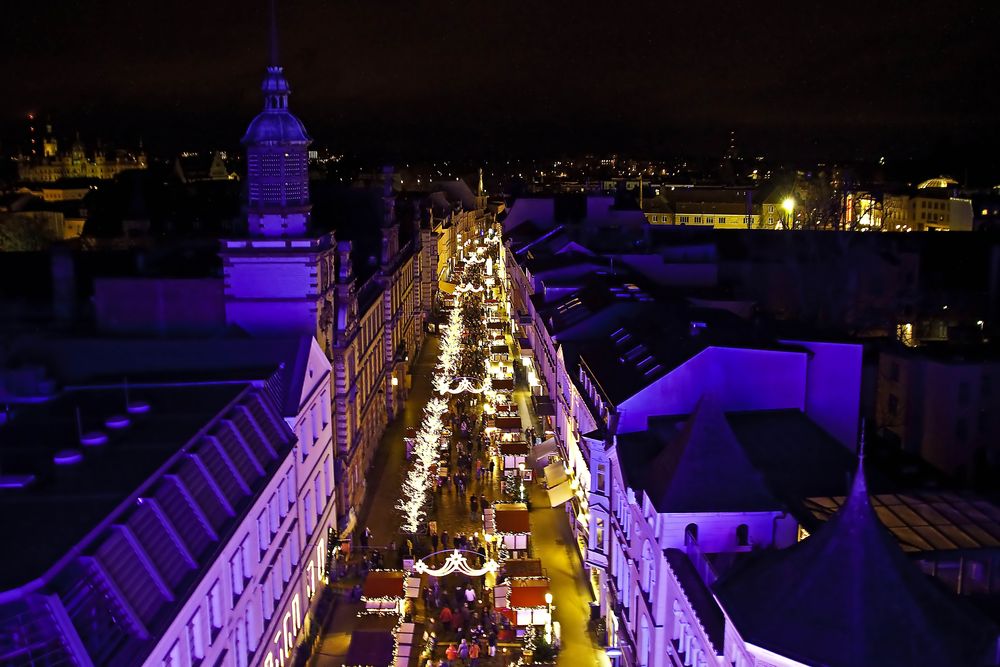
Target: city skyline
[654, 79]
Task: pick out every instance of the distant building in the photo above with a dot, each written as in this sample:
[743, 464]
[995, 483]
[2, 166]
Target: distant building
[932, 206]
[943, 405]
[194, 167]
[724, 208]
[54, 165]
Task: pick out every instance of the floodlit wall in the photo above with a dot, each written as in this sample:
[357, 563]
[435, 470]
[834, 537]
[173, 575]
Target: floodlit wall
[740, 379]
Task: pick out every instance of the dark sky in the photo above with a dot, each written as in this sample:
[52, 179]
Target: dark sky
[436, 76]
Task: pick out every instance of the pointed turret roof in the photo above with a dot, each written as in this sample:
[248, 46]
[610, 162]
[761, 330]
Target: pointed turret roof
[848, 596]
[703, 468]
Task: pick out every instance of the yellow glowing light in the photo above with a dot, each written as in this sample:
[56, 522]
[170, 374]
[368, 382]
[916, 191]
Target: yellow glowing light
[788, 204]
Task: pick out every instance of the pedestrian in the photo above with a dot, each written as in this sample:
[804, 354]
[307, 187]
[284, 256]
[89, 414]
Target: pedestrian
[444, 540]
[445, 617]
[474, 654]
[434, 541]
[451, 653]
[463, 652]
[470, 595]
[473, 505]
[492, 466]
[491, 641]
[482, 501]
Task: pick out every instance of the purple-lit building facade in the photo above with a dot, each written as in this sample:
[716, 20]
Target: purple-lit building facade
[675, 421]
[285, 279]
[190, 526]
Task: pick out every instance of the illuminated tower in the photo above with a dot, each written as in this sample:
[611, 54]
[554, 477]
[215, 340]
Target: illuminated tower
[279, 279]
[277, 160]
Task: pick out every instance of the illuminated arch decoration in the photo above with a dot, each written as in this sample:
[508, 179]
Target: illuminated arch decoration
[455, 562]
[464, 385]
[469, 287]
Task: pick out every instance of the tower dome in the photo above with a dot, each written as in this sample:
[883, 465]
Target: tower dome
[277, 160]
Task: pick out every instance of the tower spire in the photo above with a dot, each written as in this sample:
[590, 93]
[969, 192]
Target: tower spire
[274, 34]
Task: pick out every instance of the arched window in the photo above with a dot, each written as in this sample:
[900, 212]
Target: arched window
[646, 568]
[691, 533]
[643, 657]
[743, 535]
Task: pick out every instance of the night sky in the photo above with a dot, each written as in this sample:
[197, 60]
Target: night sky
[436, 77]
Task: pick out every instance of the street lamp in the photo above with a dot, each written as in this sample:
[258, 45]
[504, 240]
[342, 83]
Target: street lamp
[789, 205]
[548, 624]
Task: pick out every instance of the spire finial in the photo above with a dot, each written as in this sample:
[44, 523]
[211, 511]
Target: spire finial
[274, 34]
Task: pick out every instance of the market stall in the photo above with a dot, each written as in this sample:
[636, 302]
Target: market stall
[524, 600]
[509, 526]
[384, 591]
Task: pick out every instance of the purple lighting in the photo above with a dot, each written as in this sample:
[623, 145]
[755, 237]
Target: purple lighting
[94, 438]
[67, 457]
[117, 422]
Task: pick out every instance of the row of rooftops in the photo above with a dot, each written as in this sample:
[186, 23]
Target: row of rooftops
[818, 601]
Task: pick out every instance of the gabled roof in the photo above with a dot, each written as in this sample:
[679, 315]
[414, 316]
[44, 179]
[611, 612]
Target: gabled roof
[848, 596]
[699, 468]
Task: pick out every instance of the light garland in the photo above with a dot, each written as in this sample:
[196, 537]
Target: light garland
[453, 351]
[456, 562]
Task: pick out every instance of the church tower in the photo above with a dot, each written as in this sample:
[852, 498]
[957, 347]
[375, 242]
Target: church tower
[277, 160]
[279, 279]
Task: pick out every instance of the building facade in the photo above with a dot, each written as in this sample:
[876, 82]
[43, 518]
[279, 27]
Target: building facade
[54, 165]
[211, 545]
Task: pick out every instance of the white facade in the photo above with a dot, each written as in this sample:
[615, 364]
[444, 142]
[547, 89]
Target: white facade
[251, 605]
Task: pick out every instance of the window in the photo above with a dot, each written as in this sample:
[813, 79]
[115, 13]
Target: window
[272, 512]
[319, 496]
[266, 601]
[328, 476]
[283, 498]
[236, 572]
[599, 535]
[215, 607]
[293, 545]
[286, 565]
[310, 515]
[246, 555]
[240, 643]
[173, 656]
[196, 638]
[601, 474]
[691, 532]
[263, 534]
[290, 478]
[743, 535]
